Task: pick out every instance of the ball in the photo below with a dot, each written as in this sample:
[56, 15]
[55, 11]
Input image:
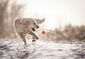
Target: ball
[43, 32]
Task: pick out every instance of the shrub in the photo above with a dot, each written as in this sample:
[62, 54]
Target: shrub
[69, 33]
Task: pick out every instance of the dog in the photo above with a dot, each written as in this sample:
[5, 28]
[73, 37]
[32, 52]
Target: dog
[26, 26]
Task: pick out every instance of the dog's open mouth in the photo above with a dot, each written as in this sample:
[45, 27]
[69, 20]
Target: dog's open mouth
[33, 29]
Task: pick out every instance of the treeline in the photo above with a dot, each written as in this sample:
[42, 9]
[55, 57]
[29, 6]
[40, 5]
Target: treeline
[9, 10]
[69, 34]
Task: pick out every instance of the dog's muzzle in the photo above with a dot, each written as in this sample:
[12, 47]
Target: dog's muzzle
[33, 29]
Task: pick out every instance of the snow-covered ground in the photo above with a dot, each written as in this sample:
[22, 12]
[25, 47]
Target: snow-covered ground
[14, 49]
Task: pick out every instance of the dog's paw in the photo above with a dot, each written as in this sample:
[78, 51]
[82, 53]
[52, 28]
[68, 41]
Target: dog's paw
[25, 45]
[37, 37]
[33, 40]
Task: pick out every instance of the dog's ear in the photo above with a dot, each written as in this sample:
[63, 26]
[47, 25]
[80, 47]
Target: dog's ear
[40, 21]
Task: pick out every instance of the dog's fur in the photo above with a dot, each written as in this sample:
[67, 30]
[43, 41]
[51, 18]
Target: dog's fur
[26, 26]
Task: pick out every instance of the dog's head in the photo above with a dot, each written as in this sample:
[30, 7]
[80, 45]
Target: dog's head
[34, 23]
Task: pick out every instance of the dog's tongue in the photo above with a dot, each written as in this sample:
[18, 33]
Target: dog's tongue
[43, 32]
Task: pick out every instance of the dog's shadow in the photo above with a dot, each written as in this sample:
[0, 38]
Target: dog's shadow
[22, 54]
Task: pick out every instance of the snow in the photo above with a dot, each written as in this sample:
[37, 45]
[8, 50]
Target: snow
[14, 49]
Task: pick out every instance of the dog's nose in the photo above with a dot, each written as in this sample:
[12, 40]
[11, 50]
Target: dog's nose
[37, 26]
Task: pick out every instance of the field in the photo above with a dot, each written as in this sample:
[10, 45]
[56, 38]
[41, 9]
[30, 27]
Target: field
[61, 43]
[67, 43]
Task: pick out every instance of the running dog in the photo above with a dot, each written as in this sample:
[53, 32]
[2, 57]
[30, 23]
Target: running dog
[26, 26]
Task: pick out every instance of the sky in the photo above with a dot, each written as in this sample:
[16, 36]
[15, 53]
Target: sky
[58, 13]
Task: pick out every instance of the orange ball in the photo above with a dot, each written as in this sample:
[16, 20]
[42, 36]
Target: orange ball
[43, 32]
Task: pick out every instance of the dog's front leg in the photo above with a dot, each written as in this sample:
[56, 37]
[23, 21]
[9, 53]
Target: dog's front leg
[34, 36]
[23, 38]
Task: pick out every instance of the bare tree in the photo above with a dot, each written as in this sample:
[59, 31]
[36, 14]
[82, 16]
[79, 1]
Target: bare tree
[3, 5]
